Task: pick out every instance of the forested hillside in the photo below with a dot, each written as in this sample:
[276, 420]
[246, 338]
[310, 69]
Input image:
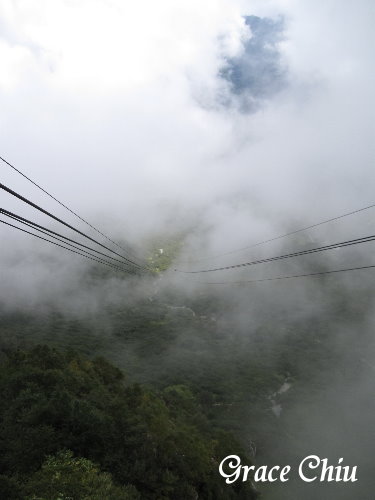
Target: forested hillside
[201, 382]
[73, 428]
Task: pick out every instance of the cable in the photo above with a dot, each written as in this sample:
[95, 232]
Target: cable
[67, 208]
[286, 277]
[332, 246]
[92, 257]
[66, 248]
[22, 198]
[47, 233]
[53, 234]
[286, 234]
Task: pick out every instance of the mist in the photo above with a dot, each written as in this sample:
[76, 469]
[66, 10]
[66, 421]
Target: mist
[217, 126]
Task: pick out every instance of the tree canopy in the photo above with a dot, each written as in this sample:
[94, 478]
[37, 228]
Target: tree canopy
[73, 428]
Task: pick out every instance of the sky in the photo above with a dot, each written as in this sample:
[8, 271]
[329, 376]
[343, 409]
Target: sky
[237, 119]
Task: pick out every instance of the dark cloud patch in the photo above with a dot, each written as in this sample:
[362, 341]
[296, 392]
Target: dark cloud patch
[258, 73]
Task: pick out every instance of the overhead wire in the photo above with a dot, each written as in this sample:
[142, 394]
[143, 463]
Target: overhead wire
[57, 236]
[130, 262]
[357, 241]
[46, 212]
[277, 278]
[67, 208]
[66, 248]
[326, 221]
[320, 273]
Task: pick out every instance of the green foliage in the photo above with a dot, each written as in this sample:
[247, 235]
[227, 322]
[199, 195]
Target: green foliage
[213, 365]
[163, 250]
[52, 401]
[63, 477]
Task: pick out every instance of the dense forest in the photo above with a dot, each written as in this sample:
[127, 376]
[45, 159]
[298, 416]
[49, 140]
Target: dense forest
[73, 428]
[145, 395]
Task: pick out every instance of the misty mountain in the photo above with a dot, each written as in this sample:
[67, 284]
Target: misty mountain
[186, 236]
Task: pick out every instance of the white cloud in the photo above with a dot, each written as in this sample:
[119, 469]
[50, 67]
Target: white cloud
[113, 106]
[109, 45]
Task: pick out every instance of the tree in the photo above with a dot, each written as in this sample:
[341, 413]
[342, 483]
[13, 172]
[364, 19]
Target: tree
[157, 444]
[63, 477]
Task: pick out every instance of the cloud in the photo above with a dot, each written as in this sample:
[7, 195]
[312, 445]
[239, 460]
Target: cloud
[120, 110]
[132, 114]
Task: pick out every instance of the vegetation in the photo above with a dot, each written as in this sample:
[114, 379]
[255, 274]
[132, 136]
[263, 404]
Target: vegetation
[201, 383]
[71, 428]
[163, 251]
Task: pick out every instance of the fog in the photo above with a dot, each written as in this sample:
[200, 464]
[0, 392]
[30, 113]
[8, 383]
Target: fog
[220, 123]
